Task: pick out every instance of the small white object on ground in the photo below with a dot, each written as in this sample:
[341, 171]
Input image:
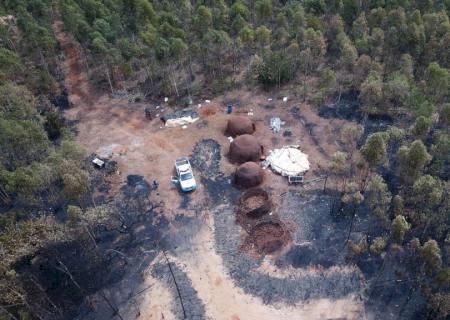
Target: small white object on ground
[269, 99]
[275, 124]
[230, 139]
[184, 127]
[99, 163]
[157, 107]
[166, 99]
[285, 99]
[208, 101]
[287, 161]
[199, 105]
[250, 113]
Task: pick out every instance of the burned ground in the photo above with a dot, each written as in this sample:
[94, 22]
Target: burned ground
[190, 306]
[243, 268]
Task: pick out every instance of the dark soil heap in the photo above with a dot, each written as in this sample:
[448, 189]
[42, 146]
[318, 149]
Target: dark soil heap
[239, 125]
[245, 148]
[248, 175]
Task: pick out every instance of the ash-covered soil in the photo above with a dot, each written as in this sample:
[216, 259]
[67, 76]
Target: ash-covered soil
[244, 269]
[332, 282]
[192, 307]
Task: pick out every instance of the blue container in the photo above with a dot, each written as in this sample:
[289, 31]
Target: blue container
[229, 108]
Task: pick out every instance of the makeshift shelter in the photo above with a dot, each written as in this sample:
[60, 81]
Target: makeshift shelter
[248, 175]
[239, 125]
[288, 161]
[245, 148]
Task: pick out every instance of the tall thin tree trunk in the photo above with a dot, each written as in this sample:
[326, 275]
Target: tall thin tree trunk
[174, 81]
[109, 77]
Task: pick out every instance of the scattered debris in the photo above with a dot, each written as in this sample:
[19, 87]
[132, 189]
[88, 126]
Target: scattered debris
[275, 124]
[287, 161]
[180, 118]
[98, 163]
[287, 133]
[112, 167]
[285, 99]
[269, 99]
[166, 99]
[207, 101]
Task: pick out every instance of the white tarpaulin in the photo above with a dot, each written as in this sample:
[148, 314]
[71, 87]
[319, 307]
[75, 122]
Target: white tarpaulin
[171, 123]
[180, 118]
[288, 161]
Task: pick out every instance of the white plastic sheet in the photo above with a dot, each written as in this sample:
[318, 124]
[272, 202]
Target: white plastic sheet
[288, 161]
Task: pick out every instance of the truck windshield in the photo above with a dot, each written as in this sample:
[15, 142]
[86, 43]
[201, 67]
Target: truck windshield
[186, 176]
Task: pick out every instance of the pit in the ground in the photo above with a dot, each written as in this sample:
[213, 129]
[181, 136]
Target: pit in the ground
[268, 237]
[254, 204]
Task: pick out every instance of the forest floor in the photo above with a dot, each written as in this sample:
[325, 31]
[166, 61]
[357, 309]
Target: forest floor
[216, 278]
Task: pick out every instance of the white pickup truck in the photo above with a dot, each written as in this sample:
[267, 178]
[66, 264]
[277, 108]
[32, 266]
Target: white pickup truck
[185, 175]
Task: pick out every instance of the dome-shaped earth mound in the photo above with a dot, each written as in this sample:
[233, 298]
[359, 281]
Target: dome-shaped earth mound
[245, 148]
[239, 125]
[248, 175]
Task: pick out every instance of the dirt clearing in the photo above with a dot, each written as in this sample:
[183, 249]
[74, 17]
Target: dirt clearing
[217, 279]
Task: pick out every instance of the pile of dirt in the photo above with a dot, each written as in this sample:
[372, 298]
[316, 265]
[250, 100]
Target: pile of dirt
[245, 148]
[239, 125]
[268, 237]
[208, 111]
[248, 175]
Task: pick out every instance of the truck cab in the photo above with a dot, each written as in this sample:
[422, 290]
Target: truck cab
[185, 175]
